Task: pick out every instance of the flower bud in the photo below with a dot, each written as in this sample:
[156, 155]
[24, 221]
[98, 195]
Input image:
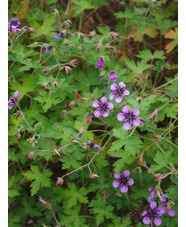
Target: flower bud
[131, 36]
[157, 137]
[142, 161]
[46, 71]
[157, 177]
[92, 97]
[44, 84]
[73, 62]
[59, 181]
[80, 35]
[154, 115]
[63, 113]
[30, 155]
[99, 46]
[77, 95]
[93, 175]
[68, 69]
[55, 84]
[71, 104]
[32, 29]
[92, 34]
[88, 121]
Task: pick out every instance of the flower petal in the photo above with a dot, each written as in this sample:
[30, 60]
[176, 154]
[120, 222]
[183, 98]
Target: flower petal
[157, 221]
[118, 99]
[114, 87]
[97, 113]
[151, 189]
[130, 181]
[171, 212]
[151, 196]
[116, 184]
[161, 210]
[126, 110]
[121, 85]
[105, 113]
[121, 117]
[118, 176]
[145, 213]
[113, 76]
[126, 174]
[146, 220]
[112, 95]
[15, 95]
[163, 199]
[135, 112]
[135, 122]
[125, 92]
[100, 63]
[109, 106]
[124, 188]
[127, 125]
[153, 205]
[103, 101]
[96, 104]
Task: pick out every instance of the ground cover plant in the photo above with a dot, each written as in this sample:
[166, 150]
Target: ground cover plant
[93, 113]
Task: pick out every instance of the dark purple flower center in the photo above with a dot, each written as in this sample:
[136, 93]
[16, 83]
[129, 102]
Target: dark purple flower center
[14, 23]
[123, 180]
[152, 213]
[129, 117]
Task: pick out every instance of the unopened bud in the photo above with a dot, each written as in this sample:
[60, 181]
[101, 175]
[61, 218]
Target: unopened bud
[93, 175]
[32, 29]
[71, 104]
[46, 71]
[68, 69]
[157, 137]
[157, 177]
[80, 35]
[99, 46]
[59, 181]
[154, 115]
[92, 34]
[44, 84]
[30, 155]
[35, 43]
[131, 35]
[55, 84]
[88, 121]
[73, 62]
[63, 113]
[92, 97]
[77, 95]
[142, 161]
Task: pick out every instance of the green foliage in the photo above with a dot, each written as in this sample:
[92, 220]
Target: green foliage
[52, 123]
[39, 179]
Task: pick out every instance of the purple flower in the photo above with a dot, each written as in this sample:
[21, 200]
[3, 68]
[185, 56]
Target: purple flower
[91, 144]
[118, 92]
[12, 101]
[152, 195]
[61, 35]
[13, 25]
[113, 76]
[48, 48]
[100, 63]
[123, 181]
[103, 107]
[56, 37]
[152, 214]
[165, 200]
[129, 117]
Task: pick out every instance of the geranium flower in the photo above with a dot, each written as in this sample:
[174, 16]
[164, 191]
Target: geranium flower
[48, 48]
[130, 117]
[103, 107]
[12, 101]
[152, 214]
[164, 199]
[91, 144]
[100, 63]
[13, 25]
[113, 76]
[123, 181]
[118, 92]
